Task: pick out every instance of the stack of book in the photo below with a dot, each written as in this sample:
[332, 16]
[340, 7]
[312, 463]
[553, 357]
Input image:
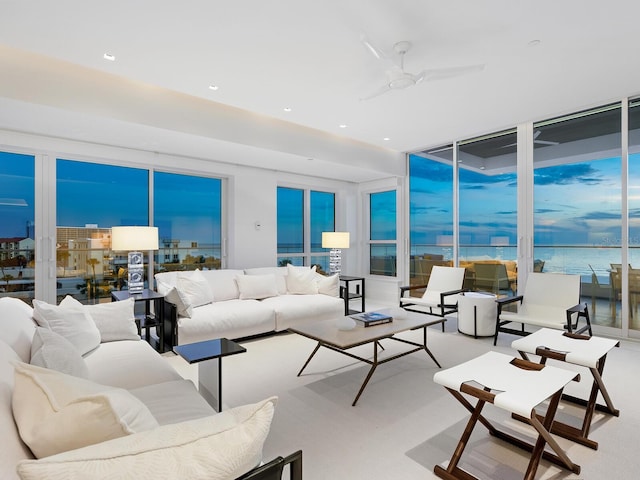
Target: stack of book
[369, 319]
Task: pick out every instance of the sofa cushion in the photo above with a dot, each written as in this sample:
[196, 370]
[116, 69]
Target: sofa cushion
[128, 364]
[13, 449]
[223, 283]
[114, 320]
[279, 272]
[301, 280]
[73, 324]
[329, 285]
[256, 287]
[230, 319]
[194, 289]
[17, 326]
[56, 412]
[291, 310]
[219, 447]
[173, 402]
[51, 350]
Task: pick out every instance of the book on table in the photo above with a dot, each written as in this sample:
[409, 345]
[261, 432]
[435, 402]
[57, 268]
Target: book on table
[372, 318]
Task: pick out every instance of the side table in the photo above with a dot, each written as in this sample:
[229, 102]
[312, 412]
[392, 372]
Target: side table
[347, 294]
[148, 319]
[208, 355]
[477, 314]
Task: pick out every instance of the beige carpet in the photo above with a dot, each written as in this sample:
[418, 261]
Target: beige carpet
[404, 424]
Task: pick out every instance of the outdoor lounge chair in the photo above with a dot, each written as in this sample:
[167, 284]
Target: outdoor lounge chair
[273, 470]
[550, 300]
[440, 295]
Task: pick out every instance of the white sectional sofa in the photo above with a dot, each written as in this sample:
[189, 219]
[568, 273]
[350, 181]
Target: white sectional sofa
[240, 303]
[89, 399]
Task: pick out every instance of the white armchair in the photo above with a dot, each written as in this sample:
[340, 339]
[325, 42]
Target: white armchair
[440, 295]
[550, 300]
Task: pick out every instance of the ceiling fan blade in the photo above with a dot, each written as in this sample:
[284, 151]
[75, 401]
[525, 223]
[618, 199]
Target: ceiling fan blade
[377, 93]
[442, 73]
[375, 51]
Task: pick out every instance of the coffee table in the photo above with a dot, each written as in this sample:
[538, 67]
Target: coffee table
[327, 334]
[208, 355]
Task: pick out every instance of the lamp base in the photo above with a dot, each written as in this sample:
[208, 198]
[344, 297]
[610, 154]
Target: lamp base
[136, 272]
[335, 260]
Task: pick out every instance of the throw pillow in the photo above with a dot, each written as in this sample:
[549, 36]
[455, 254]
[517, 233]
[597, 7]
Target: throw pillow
[257, 286]
[329, 285]
[115, 320]
[172, 295]
[50, 350]
[56, 412]
[218, 447]
[73, 324]
[301, 281]
[194, 289]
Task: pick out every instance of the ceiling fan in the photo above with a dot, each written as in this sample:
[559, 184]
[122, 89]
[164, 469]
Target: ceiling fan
[398, 78]
[536, 134]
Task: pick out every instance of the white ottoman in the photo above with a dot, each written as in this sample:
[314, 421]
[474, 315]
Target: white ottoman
[477, 313]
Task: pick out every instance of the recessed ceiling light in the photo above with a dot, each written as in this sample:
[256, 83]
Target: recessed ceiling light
[109, 56]
[343, 125]
[287, 109]
[213, 87]
[386, 139]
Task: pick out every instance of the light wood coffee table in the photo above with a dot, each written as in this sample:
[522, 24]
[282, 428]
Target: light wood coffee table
[327, 334]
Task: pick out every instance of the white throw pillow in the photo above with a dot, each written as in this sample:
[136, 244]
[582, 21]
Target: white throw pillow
[194, 289]
[257, 286]
[329, 285]
[74, 324]
[301, 280]
[218, 447]
[115, 320]
[50, 350]
[172, 295]
[56, 412]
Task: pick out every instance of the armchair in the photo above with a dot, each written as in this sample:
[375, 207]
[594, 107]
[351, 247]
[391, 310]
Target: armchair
[273, 470]
[443, 282]
[550, 300]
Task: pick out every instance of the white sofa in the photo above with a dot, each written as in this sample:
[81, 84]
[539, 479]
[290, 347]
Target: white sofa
[118, 411]
[240, 303]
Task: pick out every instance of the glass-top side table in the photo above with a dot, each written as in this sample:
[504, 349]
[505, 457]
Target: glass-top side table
[208, 355]
[149, 319]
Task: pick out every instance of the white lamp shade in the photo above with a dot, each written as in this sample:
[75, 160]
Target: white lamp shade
[335, 239]
[134, 238]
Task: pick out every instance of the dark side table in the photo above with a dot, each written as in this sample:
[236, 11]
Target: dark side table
[208, 355]
[148, 319]
[348, 294]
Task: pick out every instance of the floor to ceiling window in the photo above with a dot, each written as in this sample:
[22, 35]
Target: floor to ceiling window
[577, 203]
[302, 217]
[633, 192]
[17, 239]
[382, 233]
[430, 212]
[187, 210]
[487, 198]
[91, 198]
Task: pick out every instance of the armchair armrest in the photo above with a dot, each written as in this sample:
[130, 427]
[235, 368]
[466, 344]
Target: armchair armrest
[410, 287]
[274, 468]
[579, 308]
[449, 293]
[506, 301]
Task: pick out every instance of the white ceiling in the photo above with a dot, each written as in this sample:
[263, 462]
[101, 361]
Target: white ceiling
[307, 55]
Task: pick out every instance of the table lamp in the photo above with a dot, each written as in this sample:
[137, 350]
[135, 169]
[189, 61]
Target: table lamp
[135, 240]
[335, 241]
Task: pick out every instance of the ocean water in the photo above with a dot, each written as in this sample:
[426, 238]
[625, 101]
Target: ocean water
[573, 260]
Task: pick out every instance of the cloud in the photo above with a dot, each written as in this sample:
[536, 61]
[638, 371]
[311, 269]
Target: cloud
[582, 173]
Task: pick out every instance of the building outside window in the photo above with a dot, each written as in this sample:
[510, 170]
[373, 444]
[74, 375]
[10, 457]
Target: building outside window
[17, 236]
